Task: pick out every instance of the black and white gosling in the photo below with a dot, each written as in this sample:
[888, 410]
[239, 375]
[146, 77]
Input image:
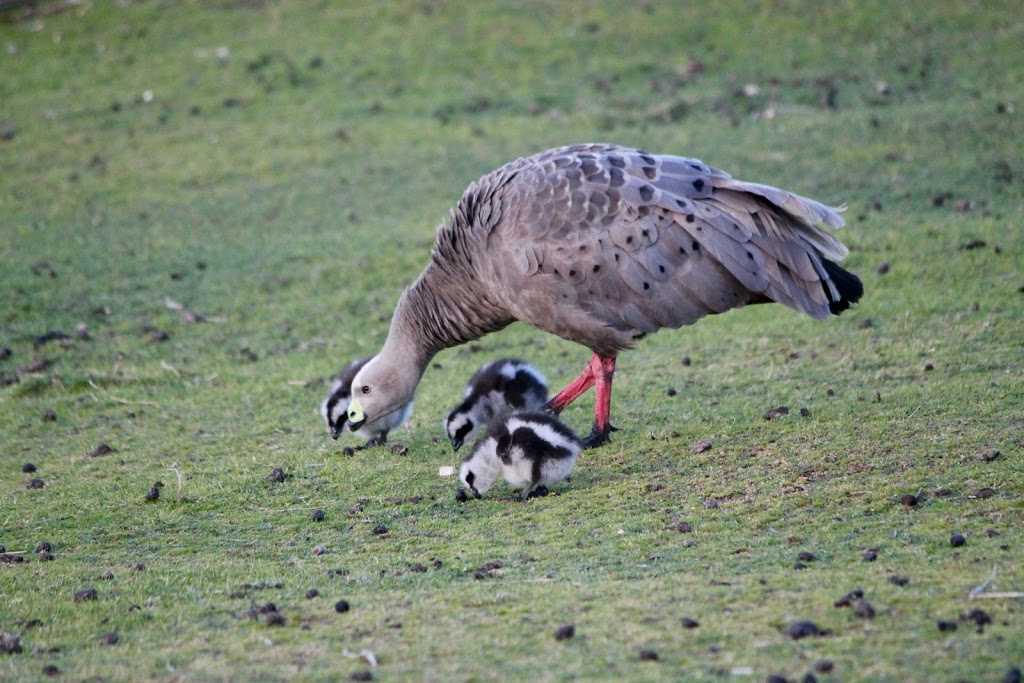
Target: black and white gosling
[528, 450]
[335, 410]
[497, 388]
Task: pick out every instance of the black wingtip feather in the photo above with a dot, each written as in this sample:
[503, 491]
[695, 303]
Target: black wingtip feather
[851, 289]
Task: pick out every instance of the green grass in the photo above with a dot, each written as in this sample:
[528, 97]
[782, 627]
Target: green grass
[288, 189]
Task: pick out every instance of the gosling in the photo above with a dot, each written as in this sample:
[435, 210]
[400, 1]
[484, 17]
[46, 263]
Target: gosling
[529, 450]
[497, 388]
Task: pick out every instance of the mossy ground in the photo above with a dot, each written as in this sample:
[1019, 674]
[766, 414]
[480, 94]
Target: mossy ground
[279, 167]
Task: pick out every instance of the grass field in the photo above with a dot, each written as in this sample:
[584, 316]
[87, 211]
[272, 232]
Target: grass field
[216, 206]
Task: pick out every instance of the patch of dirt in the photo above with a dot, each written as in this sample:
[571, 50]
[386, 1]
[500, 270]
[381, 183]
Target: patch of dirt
[701, 446]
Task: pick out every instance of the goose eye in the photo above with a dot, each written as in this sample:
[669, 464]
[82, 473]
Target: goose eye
[366, 389]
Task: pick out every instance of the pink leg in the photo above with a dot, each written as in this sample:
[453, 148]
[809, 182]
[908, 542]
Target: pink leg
[599, 372]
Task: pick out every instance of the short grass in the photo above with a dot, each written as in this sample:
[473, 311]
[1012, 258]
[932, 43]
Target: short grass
[279, 168]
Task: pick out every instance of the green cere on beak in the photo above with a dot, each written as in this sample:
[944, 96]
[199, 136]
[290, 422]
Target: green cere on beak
[355, 412]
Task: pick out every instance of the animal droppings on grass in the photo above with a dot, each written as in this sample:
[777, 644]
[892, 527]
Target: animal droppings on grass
[318, 515]
[86, 595]
[565, 632]
[8, 558]
[275, 618]
[804, 629]
[51, 670]
[364, 675]
[946, 626]
[648, 656]
[48, 416]
[848, 599]
[110, 638]
[1012, 675]
[701, 446]
[399, 449]
[380, 530]
[45, 556]
[348, 451]
[101, 450]
[865, 324]
[460, 495]
[957, 540]
[153, 494]
[107, 575]
[417, 568]
[883, 268]
[671, 392]
[870, 556]
[799, 565]
[805, 412]
[319, 550]
[824, 666]
[341, 606]
[987, 455]
[43, 545]
[983, 493]
[682, 527]
[977, 616]
[909, 500]
[35, 484]
[863, 609]
[139, 567]
[899, 580]
[688, 622]
[277, 476]
[312, 593]
[805, 556]
[10, 643]
[776, 678]
[776, 413]
[28, 468]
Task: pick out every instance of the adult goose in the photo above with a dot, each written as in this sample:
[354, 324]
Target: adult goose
[600, 245]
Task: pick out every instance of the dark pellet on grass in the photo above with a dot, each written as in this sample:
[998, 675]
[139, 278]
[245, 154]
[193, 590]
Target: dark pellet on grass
[139, 567]
[871, 556]
[276, 476]
[10, 643]
[804, 412]
[899, 580]
[987, 456]
[805, 556]
[48, 416]
[417, 568]
[365, 675]
[348, 450]
[28, 468]
[107, 575]
[977, 615]
[1012, 675]
[688, 622]
[318, 515]
[863, 609]
[701, 446]
[776, 413]
[809, 678]
[275, 618]
[86, 595]
[957, 540]
[909, 500]
[824, 666]
[671, 392]
[648, 656]
[380, 530]
[110, 638]
[45, 556]
[153, 494]
[43, 545]
[312, 593]
[947, 626]
[804, 629]
[565, 632]
[799, 565]
[101, 450]
[776, 678]
[35, 484]
[341, 606]
[51, 670]
[848, 599]
[399, 449]
[882, 268]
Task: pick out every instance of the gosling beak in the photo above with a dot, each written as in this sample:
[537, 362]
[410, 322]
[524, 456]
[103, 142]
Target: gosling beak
[356, 418]
[336, 431]
[456, 443]
[476, 494]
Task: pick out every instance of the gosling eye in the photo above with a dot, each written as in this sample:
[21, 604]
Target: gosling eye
[365, 389]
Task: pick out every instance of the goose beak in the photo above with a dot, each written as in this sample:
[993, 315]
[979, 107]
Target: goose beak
[356, 417]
